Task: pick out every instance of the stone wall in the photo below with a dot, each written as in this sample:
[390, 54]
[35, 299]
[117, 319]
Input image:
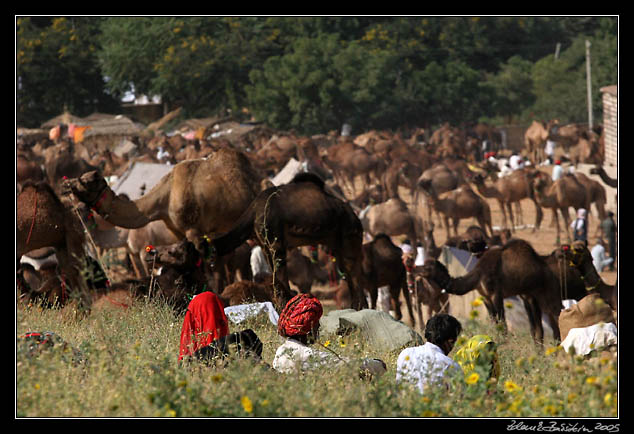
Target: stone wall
[610, 123]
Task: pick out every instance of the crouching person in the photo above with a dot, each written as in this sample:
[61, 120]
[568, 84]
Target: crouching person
[205, 334]
[299, 324]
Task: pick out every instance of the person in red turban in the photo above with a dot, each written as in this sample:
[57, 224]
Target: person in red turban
[299, 324]
[205, 322]
[300, 318]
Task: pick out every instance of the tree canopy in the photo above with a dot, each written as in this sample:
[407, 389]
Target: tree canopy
[312, 74]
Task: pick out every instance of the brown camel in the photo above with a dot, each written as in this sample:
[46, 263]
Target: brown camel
[383, 266]
[197, 199]
[610, 182]
[513, 269]
[559, 196]
[581, 259]
[460, 204]
[429, 294]
[535, 138]
[63, 162]
[43, 220]
[509, 189]
[302, 272]
[439, 178]
[297, 214]
[391, 218]
[596, 194]
[247, 291]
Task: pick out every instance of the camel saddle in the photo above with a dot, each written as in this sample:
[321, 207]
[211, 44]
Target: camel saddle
[590, 310]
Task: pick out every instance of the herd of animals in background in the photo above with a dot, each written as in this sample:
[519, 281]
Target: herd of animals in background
[332, 224]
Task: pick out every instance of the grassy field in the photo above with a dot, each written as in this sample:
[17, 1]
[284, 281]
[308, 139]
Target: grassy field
[132, 371]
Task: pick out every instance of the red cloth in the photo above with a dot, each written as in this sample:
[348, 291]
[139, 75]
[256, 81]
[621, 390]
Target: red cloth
[205, 321]
[300, 315]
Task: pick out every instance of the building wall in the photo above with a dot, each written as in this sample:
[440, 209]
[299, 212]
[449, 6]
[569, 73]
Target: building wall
[610, 124]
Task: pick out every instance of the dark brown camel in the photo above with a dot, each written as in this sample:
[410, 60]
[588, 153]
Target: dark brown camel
[383, 266]
[610, 182]
[296, 214]
[247, 291]
[514, 269]
[581, 259]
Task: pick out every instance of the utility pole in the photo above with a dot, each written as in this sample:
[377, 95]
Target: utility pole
[588, 79]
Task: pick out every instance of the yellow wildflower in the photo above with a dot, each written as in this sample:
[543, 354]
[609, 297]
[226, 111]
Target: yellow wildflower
[477, 302]
[326, 344]
[37, 386]
[473, 378]
[511, 386]
[591, 380]
[551, 350]
[607, 399]
[246, 404]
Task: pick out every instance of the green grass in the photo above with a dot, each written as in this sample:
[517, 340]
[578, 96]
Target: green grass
[132, 371]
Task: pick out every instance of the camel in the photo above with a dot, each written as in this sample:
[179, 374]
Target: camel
[196, 200]
[391, 218]
[509, 189]
[430, 295]
[247, 291]
[179, 272]
[535, 138]
[513, 269]
[440, 178]
[560, 195]
[302, 272]
[581, 259]
[61, 162]
[299, 213]
[596, 194]
[43, 220]
[382, 266]
[460, 204]
[610, 182]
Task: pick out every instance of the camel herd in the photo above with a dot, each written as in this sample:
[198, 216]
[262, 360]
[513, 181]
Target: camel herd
[190, 231]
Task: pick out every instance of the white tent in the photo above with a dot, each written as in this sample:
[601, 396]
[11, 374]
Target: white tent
[140, 178]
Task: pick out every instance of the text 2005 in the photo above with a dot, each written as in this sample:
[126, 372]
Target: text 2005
[607, 428]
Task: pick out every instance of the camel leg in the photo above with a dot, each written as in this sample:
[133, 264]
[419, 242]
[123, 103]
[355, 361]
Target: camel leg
[534, 312]
[539, 215]
[509, 208]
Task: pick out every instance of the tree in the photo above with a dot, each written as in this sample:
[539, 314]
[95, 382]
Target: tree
[57, 69]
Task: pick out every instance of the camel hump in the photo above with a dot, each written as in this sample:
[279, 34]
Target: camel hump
[308, 177]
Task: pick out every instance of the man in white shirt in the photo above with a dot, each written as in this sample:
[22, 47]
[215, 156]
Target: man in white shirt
[299, 324]
[428, 365]
[558, 171]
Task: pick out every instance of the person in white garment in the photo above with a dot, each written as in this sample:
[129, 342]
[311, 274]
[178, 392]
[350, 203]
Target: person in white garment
[429, 365]
[558, 171]
[599, 258]
[259, 264]
[299, 325]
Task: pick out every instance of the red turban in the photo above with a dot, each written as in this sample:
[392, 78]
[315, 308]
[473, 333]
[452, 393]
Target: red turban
[205, 321]
[300, 315]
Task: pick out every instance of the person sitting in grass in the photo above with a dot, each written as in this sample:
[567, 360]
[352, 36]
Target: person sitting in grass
[205, 334]
[428, 365]
[299, 324]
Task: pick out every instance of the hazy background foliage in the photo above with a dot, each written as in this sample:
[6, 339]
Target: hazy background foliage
[312, 74]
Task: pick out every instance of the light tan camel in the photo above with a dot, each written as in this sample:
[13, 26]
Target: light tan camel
[535, 138]
[459, 204]
[197, 199]
[392, 218]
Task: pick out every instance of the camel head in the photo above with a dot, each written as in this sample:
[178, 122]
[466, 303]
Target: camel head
[434, 271]
[578, 254]
[88, 188]
[182, 255]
